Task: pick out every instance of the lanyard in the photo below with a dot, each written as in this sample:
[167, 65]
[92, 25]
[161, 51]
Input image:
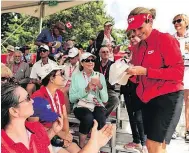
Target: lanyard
[101, 70]
[71, 71]
[55, 102]
[87, 79]
[15, 70]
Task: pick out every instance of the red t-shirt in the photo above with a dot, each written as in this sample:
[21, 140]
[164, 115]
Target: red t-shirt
[39, 140]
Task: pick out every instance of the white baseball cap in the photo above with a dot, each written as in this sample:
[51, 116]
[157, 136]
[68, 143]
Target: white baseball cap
[48, 68]
[117, 73]
[44, 47]
[73, 52]
[10, 48]
[86, 55]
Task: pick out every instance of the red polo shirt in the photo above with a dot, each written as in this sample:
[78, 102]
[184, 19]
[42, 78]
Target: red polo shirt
[160, 54]
[39, 140]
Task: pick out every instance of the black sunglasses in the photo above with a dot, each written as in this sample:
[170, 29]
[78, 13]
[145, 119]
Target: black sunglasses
[88, 60]
[43, 50]
[177, 21]
[28, 99]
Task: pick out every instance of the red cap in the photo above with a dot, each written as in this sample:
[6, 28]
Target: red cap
[136, 21]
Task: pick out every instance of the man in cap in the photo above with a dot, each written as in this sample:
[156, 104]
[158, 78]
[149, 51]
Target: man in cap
[104, 38]
[72, 66]
[49, 36]
[10, 58]
[34, 76]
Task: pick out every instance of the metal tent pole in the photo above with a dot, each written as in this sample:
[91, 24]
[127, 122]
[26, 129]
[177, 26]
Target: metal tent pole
[41, 16]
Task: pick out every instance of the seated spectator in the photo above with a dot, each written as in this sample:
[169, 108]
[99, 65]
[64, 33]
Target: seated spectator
[35, 81]
[17, 134]
[104, 67]
[52, 80]
[88, 86]
[92, 46]
[10, 58]
[21, 136]
[72, 66]
[69, 68]
[48, 37]
[20, 70]
[6, 74]
[27, 56]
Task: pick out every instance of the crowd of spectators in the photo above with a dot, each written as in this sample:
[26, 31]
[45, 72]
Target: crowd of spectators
[67, 79]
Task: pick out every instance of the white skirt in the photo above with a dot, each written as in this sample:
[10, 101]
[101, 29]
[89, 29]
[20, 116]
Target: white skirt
[186, 78]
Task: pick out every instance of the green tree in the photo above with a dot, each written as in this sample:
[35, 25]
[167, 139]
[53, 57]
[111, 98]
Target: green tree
[87, 20]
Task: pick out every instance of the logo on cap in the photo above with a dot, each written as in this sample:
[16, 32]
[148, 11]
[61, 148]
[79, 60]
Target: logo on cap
[131, 19]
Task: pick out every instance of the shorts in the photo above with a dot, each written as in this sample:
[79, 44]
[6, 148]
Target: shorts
[161, 116]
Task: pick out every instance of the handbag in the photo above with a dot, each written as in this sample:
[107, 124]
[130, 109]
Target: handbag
[87, 104]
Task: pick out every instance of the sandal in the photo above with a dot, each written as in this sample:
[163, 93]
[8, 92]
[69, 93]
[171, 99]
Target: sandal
[175, 135]
[187, 136]
[132, 147]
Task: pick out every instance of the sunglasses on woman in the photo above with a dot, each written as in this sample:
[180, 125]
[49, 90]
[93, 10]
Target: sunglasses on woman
[88, 60]
[177, 21]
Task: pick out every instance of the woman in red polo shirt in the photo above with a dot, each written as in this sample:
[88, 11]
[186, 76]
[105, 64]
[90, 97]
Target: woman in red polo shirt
[52, 80]
[18, 135]
[159, 68]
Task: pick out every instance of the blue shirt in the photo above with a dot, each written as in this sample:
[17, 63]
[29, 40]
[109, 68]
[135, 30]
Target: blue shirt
[47, 36]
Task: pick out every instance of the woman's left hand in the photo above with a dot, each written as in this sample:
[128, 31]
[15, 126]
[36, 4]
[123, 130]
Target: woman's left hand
[137, 70]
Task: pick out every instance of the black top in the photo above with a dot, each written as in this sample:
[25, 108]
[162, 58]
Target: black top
[105, 70]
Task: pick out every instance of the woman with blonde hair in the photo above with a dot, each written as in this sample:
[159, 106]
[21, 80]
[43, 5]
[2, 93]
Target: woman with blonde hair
[159, 78]
[181, 24]
[6, 74]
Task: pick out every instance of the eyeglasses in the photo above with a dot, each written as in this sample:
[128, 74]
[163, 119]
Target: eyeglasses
[104, 51]
[28, 99]
[88, 60]
[60, 74]
[133, 36]
[177, 21]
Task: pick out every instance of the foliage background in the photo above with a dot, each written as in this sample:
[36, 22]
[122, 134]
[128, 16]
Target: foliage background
[87, 20]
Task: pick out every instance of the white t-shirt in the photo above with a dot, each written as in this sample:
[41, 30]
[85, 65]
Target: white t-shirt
[36, 68]
[185, 53]
[69, 70]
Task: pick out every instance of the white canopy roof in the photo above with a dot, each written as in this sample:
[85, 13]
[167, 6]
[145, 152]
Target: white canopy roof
[37, 8]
